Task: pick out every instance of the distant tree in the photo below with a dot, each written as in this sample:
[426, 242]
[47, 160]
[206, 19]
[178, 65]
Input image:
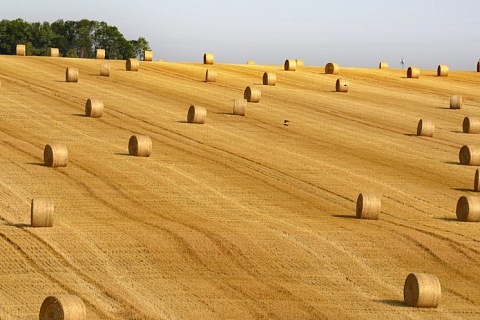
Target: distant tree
[12, 33]
[139, 47]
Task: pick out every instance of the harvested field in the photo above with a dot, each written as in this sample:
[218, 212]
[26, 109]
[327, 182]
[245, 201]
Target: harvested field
[241, 217]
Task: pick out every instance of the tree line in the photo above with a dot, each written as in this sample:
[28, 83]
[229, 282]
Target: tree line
[75, 39]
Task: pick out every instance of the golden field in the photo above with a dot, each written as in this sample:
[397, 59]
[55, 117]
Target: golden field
[241, 217]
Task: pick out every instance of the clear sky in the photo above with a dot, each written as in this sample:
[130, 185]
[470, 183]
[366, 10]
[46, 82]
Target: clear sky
[351, 33]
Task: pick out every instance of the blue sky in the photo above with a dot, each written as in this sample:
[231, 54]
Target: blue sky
[351, 33]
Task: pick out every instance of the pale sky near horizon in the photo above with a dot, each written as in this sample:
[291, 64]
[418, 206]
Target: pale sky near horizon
[351, 33]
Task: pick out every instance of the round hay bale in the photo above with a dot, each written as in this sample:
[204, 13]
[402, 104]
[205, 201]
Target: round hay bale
[341, 85]
[269, 79]
[210, 75]
[290, 65]
[140, 146]
[469, 155]
[132, 64]
[250, 62]
[55, 155]
[478, 66]
[100, 54]
[476, 181]
[41, 213]
[21, 50]
[300, 62]
[468, 209]
[148, 55]
[422, 290]
[332, 68]
[383, 65]
[442, 70]
[413, 72]
[63, 307]
[208, 58]
[196, 114]
[252, 94]
[369, 206]
[105, 70]
[94, 108]
[71, 74]
[425, 128]
[239, 106]
[54, 52]
[456, 102]
[471, 125]
[161, 60]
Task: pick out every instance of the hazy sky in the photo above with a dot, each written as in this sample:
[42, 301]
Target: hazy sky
[351, 33]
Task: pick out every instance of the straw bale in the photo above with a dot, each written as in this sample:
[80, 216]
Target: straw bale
[208, 58]
[148, 55]
[341, 85]
[196, 114]
[383, 65]
[239, 106]
[456, 102]
[100, 54]
[468, 209]
[332, 68]
[471, 125]
[442, 70]
[269, 79]
[54, 52]
[422, 290]
[290, 65]
[369, 206]
[63, 307]
[140, 146]
[425, 128]
[252, 94]
[105, 70]
[211, 75]
[55, 155]
[41, 212]
[71, 74]
[413, 72]
[94, 108]
[21, 50]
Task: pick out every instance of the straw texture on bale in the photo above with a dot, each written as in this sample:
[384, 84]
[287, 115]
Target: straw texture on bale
[250, 62]
[252, 94]
[442, 70]
[148, 55]
[71, 74]
[41, 213]
[422, 290]
[471, 125]
[55, 155]
[332, 68]
[211, 75]
[20, 50]
[239, 106]
[369, 206]
[469, 155]
[425, 128]
[476, 180]
[269, 79]
[100, 54]
[290, 65]
[63, 307]
[54, 52]
[341, 85]
[105, 70]
[383, 65]
[94, 108]
[132, 64]
[468, 209]
[196, 114]
[413, 73]
[140, 146]
[456, 102]
[300, 62]
[208, 58]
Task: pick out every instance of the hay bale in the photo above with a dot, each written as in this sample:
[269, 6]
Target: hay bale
[300, 62]
[456, 102]
[54, 52]
[94, 108]
[161, 60]
[252, 94]
[63, 307]
[383, 65]
[140, 146]
[332, 68]
[100, 54]
[148, 55]
[369, 206]
[425, 128]
[471, 125]
[71, 74]
[208, 58]
[55, 155]
[132, 64]
[422, 290]
[196, 114]
[239, 106]
[21, 50]
[250, 62]
[468, 209]
[442, 70]
[469, 155]
[413, 72]
[210, 75]
[341, 85]
[476, 181]
[105, 70]
[41, 213]
[290, 65]
[478, 66]
[269, 79]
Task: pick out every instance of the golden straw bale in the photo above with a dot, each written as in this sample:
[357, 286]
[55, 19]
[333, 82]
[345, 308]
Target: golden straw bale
[341, 85]
[239, 106]
[211, 75]
[478, 66]
[476, 181]
[55, 155]
[471, 125]
[468, 209]
[161, 60]
[442, 70]
[54, 52]
[94, 108]
[21, 50]
[196, 114]
[105, 70]
[469, 155]
[140, 146]
[100, 54]
[252, 94]
[132, 64]
[299, 62]
[369, 206]
[383, 65]
[290, 65]
[332, 68]
[208, 58]
[425, 128]
[413, 72]
[71, 74]
[422, 290]
[269, 79]
[148, 55]
[41, 212]
[63, 307]
[456, 102]
[250, 62]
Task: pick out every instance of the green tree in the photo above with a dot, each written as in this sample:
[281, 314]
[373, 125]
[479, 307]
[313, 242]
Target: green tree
[139, 47]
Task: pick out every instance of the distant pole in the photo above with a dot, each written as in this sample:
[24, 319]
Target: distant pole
[402, 62]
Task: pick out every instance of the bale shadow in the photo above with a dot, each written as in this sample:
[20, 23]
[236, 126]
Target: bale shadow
[40, 164]
[21, 225]
[79, 115]
[464, 190]
[345, 216]
[122, 154]
[447, 219]
[225, 113]
[394, 303]
[410, 134]
[181, 121]
[451, 162]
